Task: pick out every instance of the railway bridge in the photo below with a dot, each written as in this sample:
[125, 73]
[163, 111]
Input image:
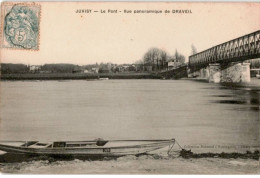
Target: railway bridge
[226, 62]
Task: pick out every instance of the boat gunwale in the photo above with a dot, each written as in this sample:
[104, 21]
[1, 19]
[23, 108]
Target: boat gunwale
[80, 151]
[97, 147]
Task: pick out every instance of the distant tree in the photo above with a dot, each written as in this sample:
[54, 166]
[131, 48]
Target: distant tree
[164, 57]
[179, 57]
[193, 50]
[156, 58]
[176, 54]
[59, 68]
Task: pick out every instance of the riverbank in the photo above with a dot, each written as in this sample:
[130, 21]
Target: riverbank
[136, 165]
[77, 76]
[159, 162]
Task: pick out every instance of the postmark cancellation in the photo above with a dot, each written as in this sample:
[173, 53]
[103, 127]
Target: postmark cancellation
[20, 25]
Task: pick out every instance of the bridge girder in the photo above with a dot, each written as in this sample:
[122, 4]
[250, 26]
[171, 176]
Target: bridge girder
[236, 50]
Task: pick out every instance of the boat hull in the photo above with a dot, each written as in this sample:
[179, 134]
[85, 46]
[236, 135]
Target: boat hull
[102, 151]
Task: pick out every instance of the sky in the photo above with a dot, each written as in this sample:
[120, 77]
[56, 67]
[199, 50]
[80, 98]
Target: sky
[70, 37]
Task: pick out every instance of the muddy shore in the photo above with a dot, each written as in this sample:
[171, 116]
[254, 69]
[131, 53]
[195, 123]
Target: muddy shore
[136, 165]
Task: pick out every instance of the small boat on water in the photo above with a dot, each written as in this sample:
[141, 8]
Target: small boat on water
[103, 78]
[99, 147]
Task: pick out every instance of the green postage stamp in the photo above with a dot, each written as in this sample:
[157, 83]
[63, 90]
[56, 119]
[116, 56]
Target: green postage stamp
[20, 25]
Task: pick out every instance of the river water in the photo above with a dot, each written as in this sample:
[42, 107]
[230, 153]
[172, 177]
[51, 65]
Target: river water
[201, 116]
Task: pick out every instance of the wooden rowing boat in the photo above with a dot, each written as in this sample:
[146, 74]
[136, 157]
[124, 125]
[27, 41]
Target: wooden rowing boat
[97, 147]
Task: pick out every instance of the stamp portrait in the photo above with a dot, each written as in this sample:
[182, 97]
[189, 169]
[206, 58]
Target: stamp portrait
[20, 26]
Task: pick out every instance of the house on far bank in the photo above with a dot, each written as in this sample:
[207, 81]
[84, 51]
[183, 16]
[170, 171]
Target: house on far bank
[139, 67]
[117, 69]
[34, 68]
[86, 71]
[94, 69]
[125, 68]
[132, 68]
[173, 64]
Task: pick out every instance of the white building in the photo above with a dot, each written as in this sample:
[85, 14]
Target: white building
[34, 68]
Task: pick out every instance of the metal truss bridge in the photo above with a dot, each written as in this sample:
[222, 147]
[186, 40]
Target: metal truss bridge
[237, 50]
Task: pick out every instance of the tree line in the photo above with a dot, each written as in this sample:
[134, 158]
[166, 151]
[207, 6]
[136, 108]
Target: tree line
[7, 68]
[158, 59]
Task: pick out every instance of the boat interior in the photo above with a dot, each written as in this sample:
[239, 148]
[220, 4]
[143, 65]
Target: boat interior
[72, 144]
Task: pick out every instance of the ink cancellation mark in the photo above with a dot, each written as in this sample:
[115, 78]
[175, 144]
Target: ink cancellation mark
[21, 26]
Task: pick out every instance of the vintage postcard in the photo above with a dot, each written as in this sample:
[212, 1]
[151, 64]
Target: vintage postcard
[130, 88]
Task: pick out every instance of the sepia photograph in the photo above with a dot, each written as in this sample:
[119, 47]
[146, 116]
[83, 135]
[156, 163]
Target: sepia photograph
[147, 88]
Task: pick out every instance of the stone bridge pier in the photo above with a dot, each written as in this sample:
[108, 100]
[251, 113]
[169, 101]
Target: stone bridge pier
[229, 73]
[235, 73]
[214, 73]
[225, 73]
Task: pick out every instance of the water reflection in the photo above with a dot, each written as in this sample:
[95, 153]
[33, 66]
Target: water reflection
[223, 96]
[230, 102]
[239, 94]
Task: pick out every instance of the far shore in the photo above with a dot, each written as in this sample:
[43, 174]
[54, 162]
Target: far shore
[78, 76]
